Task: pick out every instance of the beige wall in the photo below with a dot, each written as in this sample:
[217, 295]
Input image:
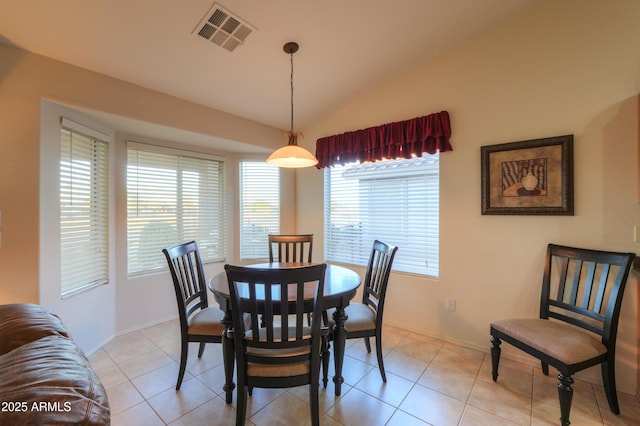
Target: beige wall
[29, 271]
[568, 67]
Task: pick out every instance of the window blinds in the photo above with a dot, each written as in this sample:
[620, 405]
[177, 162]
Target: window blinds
[396, 201]
[84, 210]
[259, 208]
[173, 198]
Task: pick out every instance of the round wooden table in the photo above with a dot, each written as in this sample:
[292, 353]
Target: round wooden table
[340, 287]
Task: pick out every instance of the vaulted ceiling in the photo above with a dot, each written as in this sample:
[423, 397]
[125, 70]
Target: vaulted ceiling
[346, 46]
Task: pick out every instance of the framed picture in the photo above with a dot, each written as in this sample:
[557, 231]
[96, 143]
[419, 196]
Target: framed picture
[533, 177]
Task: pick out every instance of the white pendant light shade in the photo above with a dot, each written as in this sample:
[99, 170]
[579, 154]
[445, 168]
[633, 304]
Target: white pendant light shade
[292, 156]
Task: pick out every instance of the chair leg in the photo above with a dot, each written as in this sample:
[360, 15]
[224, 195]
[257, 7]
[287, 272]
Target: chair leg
[326, 356]
[379, 355]
[609, 383]
[241, 405]
[545, 368]
[183, 362]
[565, 393]
[314, 403]
[367, 344]
[201, 349]
[495, 356]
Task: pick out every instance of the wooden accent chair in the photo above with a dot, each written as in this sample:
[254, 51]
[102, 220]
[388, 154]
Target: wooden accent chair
[199, 322]
[365, 318]
[579, 309]
[277, 349]
[290, 248]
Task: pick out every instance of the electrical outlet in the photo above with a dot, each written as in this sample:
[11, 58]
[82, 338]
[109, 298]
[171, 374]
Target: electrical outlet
[451, 305]
[636, 233]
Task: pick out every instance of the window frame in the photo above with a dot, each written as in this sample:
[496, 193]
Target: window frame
[213, 248]
[84, 216]
[347, 229]
[260, 242]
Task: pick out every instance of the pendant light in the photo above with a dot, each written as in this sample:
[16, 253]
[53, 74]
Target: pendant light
[292, 155]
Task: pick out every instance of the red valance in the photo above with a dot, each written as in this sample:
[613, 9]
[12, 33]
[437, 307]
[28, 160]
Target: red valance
[401, 139]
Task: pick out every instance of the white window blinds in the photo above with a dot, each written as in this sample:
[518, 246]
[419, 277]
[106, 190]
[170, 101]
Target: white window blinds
[173, 198]
[396, 201]
[259, 208]
[84, 210]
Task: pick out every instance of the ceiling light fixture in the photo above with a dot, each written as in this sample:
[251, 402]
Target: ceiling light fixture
[292, 155]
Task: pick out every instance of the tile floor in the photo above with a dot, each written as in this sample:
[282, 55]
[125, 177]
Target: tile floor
[429, 382]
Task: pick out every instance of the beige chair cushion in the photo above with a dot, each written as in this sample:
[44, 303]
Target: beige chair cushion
[361, 317]
[278, 370]
[207, 322]
[561, 341]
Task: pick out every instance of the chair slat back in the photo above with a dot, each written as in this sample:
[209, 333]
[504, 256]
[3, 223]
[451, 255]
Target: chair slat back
[276, 300]
[188, 278]
[377, 275]
[290, 248]
[585, 287]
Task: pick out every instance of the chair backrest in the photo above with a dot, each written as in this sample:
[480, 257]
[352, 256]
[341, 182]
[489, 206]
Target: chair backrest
[277, 301]
[377, 276]
[188, 280]
[291, 248]
[585, 287]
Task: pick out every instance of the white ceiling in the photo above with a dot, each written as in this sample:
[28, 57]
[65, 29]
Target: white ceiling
[346, 46]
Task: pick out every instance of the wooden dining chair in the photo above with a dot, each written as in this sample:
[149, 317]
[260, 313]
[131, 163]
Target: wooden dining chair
[276, 348]
[579, 309]
[290, 248]
[199, 322]
[365, 317]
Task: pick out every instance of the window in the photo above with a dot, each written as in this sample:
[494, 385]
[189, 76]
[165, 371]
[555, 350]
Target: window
[259, 208]
[395, 201]
[173, 197]
[84, 209]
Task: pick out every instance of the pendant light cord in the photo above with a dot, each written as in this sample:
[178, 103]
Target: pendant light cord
[291, 91]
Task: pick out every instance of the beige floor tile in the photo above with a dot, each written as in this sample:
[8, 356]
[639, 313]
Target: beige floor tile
[171, 404]
[212, 357]
[433, 407]
[629, 408]
[213, 379]
[145, 363]
[353, 370]
[400, 418]
[122, 397]
[392, 392]
[404, 365]
[260, 399]
[214, 412]
[511, 376]
[128, 346]
[358, 408]
[419, 347]
[501, 401]
[448, 379]
[140, 414]
[285, 410]
[158, 380]
[106, 369]
[547, 414]
[474, 416]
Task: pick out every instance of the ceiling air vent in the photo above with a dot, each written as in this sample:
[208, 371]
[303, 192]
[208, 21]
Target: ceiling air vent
[223, 28]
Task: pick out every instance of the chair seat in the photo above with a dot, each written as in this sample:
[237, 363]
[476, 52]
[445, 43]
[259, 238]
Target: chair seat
[561, 341]
[207, 322]
[361, 317]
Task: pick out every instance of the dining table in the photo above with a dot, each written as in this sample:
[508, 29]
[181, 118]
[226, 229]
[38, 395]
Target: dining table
[340, 286]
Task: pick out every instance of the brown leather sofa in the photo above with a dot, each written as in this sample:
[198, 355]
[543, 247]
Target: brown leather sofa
[45, 377]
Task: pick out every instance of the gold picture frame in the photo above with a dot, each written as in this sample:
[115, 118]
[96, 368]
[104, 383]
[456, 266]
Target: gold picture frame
[532, 177]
